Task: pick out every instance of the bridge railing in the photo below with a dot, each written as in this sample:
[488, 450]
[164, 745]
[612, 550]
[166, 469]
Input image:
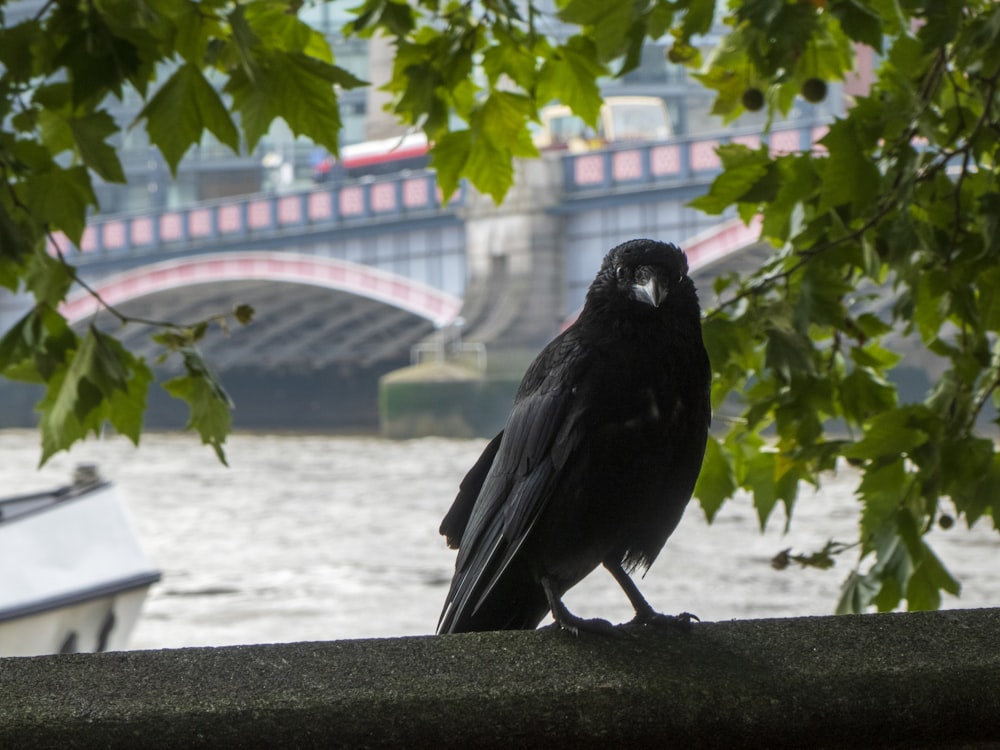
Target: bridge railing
[677, 161]
[619, 167]
[257, 216]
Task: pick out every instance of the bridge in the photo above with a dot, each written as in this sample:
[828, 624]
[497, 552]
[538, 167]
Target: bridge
[346, 280]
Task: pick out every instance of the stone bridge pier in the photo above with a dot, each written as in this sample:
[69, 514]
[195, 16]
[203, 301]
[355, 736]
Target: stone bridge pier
[515, 298]
[465, 379]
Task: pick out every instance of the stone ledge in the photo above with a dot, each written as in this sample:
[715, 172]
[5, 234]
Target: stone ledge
[895, 680]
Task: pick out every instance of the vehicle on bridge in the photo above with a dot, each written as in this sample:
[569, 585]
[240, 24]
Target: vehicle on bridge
[373, 158]
[622, 118]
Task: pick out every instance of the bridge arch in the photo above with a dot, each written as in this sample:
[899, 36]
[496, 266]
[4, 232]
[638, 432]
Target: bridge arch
[374, 284]
[721, 241]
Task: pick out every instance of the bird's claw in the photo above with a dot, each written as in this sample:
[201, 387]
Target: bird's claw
[576, 625]
[682, 622]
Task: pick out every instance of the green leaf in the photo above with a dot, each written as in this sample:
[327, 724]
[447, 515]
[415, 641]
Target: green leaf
[54, 128]
[989, 291]
[760, 479]
[397, 17]
[716, 482]
[60, 427]
[797, 183]
[512, 58]
[16, 43]
[891, 433]
[788, 352]
[449, 157]
[76, 401]
[698, 18]
[14, 245]
[966, 465]
[859, 22]
[931, 303]
[928, 580]
[90, 132]
[875, 356]
[273, 25]
[744, 169]
[127, 407]
[849, 176]
[871, 325]
[243, 314]
[210, 405]
[181, 110]
[724, 340]
[570, 76]
[857, 594]
[863, 394]
[36, 345]
[106, 365]
[48, 278]
[193, 28]
[504, 122]
[987, 499]
[60, 197]
[881, 489]
[292, 86]
[892, 569]
[99, 60]
[489, 168]
[821, 294]
[607, 23]
[729, 85]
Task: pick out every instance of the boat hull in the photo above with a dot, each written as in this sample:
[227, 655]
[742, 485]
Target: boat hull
[73, 574]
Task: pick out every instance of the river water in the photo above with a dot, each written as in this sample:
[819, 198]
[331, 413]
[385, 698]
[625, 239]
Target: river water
[320, 537]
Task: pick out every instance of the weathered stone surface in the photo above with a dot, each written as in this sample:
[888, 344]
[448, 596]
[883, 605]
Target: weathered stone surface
[899, 680]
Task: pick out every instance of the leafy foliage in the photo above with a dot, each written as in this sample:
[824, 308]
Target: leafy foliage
[886, 241]
[885, 234]
[231, 69]
[58, 71]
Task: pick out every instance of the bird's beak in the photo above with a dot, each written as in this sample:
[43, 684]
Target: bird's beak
[652, 292]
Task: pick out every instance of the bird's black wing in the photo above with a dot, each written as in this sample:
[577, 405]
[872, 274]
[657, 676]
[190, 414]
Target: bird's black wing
[529, 456]
[457, 518]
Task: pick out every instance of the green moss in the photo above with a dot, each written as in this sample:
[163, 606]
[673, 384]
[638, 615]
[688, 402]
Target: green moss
[443, 399]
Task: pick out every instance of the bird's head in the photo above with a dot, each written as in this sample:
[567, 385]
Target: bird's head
[645, 273]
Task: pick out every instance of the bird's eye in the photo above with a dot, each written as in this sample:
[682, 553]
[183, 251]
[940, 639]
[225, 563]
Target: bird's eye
[620, 272]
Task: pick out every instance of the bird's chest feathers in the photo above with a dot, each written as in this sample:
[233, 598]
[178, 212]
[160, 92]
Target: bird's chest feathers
[633, 410]
[640, 397]
[649, 410]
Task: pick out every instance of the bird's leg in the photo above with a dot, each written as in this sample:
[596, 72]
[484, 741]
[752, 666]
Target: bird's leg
[568, 621]
[644, 613]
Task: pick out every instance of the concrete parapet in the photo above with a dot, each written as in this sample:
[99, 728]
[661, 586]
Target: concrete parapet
[895, 680]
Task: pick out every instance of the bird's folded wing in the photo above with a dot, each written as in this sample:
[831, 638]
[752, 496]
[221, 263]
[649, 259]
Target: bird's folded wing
[455, 521]
[524, 475]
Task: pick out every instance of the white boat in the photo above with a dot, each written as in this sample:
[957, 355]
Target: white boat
[72, 574]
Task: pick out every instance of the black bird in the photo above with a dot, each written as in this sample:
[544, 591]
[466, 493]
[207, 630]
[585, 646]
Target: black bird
[598, 458]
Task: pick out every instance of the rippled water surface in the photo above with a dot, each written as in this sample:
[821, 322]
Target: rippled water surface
[316, 537]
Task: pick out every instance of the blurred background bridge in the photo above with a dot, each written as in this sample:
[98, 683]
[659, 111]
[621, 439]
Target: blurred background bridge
[353, 280]
[357, 267]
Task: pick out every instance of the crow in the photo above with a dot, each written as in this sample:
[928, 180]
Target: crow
[598, 458]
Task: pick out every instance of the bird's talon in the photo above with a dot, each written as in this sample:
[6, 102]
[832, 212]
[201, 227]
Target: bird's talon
[683, 621]
[594, 625]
